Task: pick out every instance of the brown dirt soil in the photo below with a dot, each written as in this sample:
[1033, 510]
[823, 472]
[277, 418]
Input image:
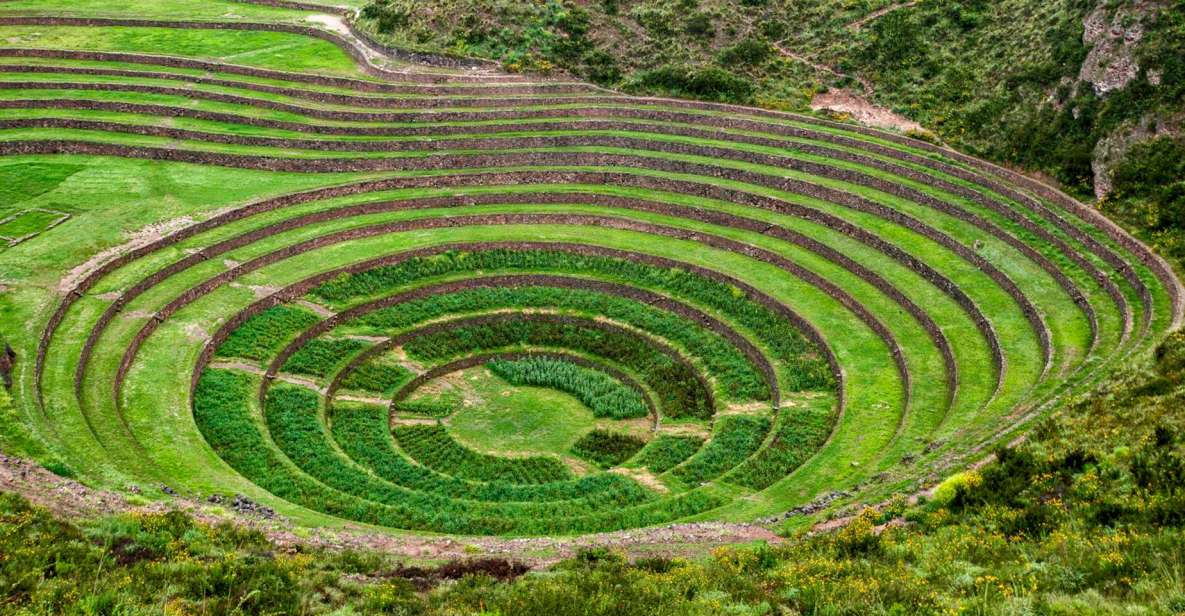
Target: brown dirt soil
[863, 111]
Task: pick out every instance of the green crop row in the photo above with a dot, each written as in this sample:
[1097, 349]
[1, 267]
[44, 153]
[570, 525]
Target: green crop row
[433, 447]
[798, 435]
[607, 449]
[322, 357]
[679, 391]
[735, 438]
[361, 431]
[605, 395]
[263, 335]
[807, 370]
[668, 451]
[222, 411]
[426, 408]
[739, 378]
[377, 376]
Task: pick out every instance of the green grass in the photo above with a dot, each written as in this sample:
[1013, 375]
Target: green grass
[600, 392]
[607, 449]
[30, 222]
[274, 50]
[496, 416]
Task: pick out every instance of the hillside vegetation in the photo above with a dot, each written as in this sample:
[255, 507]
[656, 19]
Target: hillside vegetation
[1048, 86]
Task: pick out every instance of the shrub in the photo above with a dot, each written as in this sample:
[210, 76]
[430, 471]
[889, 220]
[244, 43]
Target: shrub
[666, 452]
[749, 52]
[735, 438]
[710, 83]
[263, 335]
[604, 395]
[607, 449]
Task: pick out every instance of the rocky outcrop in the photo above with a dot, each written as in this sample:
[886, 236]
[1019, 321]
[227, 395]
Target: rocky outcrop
[1110, 151]
[7, 362]
[1113, 34]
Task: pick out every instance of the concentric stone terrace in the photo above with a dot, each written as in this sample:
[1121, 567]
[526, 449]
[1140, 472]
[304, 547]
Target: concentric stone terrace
[543, 307]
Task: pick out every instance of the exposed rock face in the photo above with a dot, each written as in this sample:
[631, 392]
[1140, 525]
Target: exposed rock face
[1110, 152]
[1113, 36]
[1114, 33]
[7, 361]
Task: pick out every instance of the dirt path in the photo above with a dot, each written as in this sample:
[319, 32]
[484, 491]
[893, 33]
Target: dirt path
[136, 239]
[877, 14]
[822, 68]
[320, 310]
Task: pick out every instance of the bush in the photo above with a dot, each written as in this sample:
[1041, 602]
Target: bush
[604, 395]
[735, 438]
[666, 452]
[265, 334]
[607, 449]
[710, 83]
[749, 52]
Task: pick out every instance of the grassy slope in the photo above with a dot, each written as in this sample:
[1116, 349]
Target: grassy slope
[997, 78]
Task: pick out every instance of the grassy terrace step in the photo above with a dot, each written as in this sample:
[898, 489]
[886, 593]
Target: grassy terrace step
[768, 257]
[363, 433]
[222, 401]
[1008, 286]
[1064, 283]
[1094, 272]
[922, 146]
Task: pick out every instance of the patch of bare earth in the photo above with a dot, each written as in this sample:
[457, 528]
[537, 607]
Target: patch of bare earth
[643, 477]
[138, 239]
[861, 110]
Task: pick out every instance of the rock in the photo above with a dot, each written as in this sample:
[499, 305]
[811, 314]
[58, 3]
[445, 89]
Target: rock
[1112, 38]
[1110, 151]
[244, 505]
[7, 363]
[810, 508]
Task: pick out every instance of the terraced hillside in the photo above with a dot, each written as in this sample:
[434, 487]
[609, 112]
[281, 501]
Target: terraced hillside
[250, 253]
